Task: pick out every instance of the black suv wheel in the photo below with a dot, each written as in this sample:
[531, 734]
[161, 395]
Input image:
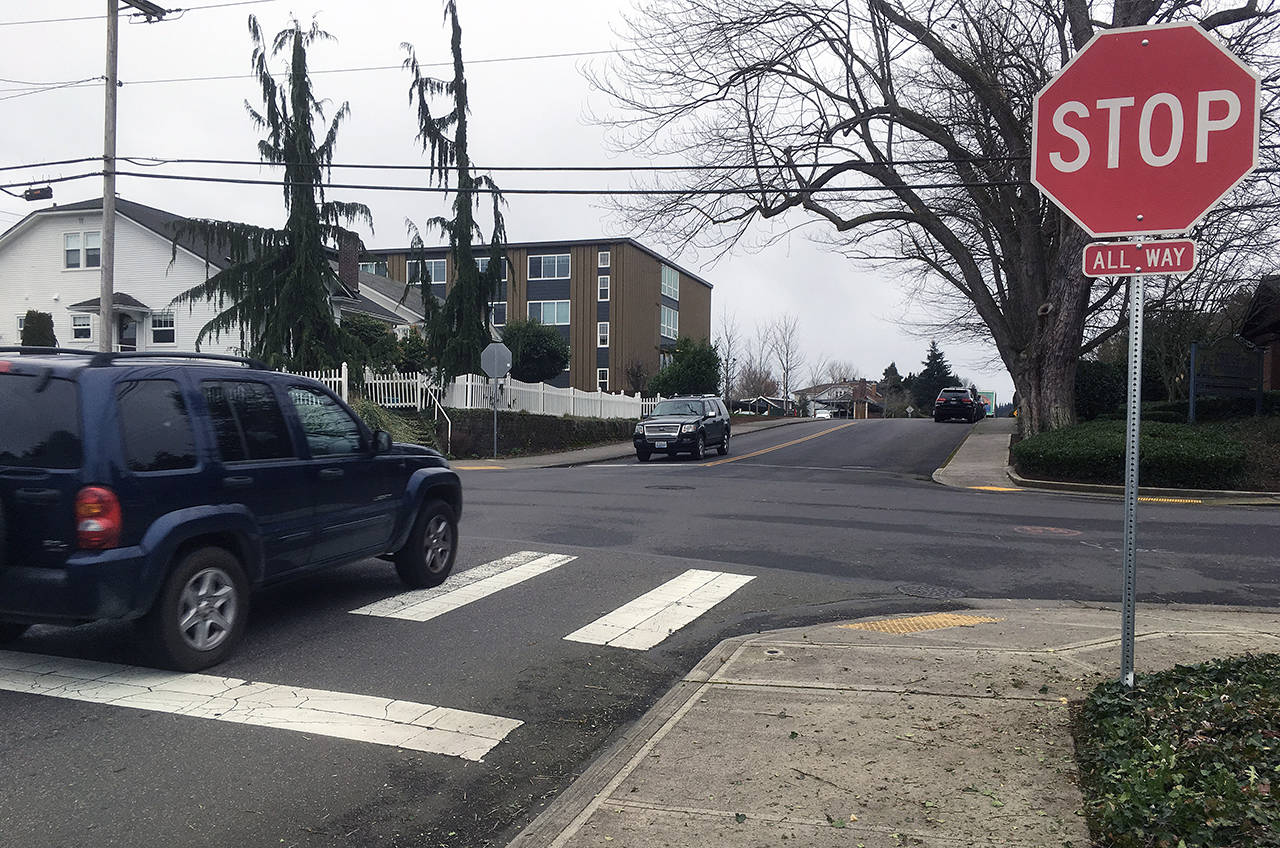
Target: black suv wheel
[200, 614]
[700, 447]
[427, 557]
[723, 447]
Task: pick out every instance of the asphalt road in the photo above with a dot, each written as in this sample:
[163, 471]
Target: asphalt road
[830, 519]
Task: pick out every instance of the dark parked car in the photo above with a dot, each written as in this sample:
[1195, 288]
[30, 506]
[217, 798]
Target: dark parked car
[163, 488]
[959, 403]
[683, 425]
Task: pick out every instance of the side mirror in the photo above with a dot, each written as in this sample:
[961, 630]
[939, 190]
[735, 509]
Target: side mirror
[381, 441]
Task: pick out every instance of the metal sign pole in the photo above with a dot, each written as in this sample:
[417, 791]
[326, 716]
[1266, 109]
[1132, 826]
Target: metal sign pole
[1132, 424]
[493, 390]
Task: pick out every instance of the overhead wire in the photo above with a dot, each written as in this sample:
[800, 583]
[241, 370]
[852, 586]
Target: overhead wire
[133, 14]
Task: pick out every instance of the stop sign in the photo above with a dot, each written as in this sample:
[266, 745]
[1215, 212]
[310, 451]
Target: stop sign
[1145, 130]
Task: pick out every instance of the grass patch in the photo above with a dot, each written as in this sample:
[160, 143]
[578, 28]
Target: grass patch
[1202, 456]
[1188, 758]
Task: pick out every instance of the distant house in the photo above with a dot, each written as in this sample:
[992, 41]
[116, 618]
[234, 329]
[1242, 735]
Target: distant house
[760, 405]
[847, 399]
[50, 261]
[1261, 327]
[615, 301]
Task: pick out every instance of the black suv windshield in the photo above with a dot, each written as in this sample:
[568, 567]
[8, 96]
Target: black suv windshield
[679, 407]
[41, 422]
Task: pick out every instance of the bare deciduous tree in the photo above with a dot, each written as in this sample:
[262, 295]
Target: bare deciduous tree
[729, 345]
[784, 347]
[905, 126]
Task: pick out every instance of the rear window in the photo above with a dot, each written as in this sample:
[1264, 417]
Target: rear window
[155, 426]
[39, 422]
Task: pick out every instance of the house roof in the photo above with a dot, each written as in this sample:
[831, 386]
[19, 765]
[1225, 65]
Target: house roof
[118, 300]
[160, 222]
[364, 306]
[394, 290]
[1262, 321]
[436, 251]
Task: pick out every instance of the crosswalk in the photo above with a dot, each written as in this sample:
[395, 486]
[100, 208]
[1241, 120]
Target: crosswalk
[639, 624]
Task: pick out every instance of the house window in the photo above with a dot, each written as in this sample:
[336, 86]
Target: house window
[162, 328]
[602, 379]
[498, 309]
[670, 323]
[553, 266]
[603, 281]
[670, 282]
[22, 322]
[549, 311]
[665, 358]
[81, 327]
[378, 269]
[603, 260]
[82, 250]
[427, 270]
[602, 334]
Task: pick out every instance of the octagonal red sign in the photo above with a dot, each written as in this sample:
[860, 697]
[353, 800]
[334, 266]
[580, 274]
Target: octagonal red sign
[1145, 130]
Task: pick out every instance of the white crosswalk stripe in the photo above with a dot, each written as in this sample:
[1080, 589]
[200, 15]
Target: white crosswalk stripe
[362, 718]
[465, 587]
[652, 617]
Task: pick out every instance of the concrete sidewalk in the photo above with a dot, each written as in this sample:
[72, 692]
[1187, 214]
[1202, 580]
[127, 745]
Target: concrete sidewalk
[599, 453]
[947, 729]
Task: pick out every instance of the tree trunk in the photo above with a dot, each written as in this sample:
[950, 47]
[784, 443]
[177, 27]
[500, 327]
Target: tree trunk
[1044, 371]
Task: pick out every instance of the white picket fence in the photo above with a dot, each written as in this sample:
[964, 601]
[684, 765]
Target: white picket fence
[472, 391]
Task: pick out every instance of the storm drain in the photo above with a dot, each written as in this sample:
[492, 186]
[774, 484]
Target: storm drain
[924, 590]
[918, 623]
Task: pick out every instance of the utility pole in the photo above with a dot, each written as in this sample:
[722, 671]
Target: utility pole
[106, 292]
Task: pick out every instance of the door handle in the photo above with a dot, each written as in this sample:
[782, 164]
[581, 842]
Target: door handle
[36, 495]
[330, 473]
[237, 482]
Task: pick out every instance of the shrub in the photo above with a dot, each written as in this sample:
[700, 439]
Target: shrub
[37, 330]
[1170, 455]
[1187, 756]
[403, 427]
[538, 351]
[1100, 388]
[694, 370]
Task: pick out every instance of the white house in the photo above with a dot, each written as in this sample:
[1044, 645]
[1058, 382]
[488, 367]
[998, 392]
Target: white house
[50, 261]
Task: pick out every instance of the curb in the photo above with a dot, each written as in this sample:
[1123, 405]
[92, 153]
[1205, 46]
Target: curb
[1239, 497]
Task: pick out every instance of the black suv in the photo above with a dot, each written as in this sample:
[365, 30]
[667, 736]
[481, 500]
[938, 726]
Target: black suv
[958, 402]
[683, 425]
[161, 488]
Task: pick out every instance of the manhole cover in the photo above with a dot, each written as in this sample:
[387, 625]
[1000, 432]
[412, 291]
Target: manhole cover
[671, 488]
[923, 590]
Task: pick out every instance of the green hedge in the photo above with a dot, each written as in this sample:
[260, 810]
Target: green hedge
[1188, 757]
[1171, 455]
[522, 433]
[403, 426]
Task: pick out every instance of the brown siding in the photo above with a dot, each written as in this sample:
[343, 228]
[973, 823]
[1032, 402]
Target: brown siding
[695, 309]
[582, 317]
[397, 267]
[634, 309]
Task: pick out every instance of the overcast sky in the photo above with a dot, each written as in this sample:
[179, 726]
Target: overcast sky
[525, 111]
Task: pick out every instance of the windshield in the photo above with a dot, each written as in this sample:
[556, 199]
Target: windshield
[679, 407]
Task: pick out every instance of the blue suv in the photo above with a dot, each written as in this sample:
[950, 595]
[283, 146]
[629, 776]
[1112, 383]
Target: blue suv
[162, 488]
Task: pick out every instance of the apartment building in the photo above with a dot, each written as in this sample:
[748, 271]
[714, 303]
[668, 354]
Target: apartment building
[616, 302]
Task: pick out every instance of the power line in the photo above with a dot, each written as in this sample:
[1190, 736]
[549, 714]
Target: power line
[314, 71]
[72, 84]
[132, 14]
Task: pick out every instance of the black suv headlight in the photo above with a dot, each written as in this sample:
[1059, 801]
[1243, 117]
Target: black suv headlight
[688, 428]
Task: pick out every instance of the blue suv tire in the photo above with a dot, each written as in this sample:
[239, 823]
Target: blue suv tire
[200, 614]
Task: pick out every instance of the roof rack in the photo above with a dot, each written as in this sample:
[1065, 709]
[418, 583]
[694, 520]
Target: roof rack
[107, 358]
[35, 349]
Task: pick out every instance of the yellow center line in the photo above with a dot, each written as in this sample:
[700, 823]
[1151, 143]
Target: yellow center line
[777, 447]
[995, 489]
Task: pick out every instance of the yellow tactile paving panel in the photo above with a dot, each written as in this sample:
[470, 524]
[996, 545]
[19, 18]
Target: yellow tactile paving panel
[918, 623]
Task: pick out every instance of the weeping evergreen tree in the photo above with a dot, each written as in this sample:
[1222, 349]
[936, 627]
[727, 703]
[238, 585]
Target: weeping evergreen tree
[276, 291]
[460, 329]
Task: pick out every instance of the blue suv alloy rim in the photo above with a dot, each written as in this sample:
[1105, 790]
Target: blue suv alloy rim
[438, 541]
[209, 609]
